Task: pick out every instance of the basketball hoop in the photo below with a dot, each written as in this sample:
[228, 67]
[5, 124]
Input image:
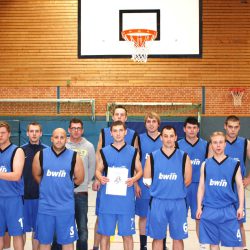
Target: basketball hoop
[237, 94]
[139, 37]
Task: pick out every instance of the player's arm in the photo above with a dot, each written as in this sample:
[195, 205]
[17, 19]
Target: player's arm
[96, 183]
[136, 143]
[240, 190]
[78, 170]
[248, 149]
[37, 168]
[246, 180]
[147, 176]
[18, 163]
[138, 171]
[210, 151]
[91, 163]
[99, 170]
[136, 185]
[200, 193]
[99, 144]
[188, 172]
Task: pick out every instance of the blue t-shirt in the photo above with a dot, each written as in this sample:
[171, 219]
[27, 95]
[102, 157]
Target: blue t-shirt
[122, 158]
[197, 153]
[147, 145]
[238, 150]
[9, 188]
[168, 174]
[219, 182]
[56, 186]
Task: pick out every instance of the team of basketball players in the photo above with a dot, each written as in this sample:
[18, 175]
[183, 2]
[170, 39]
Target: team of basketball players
[163, 178]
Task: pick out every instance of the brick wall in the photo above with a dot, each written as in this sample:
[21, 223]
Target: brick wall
[218, 100]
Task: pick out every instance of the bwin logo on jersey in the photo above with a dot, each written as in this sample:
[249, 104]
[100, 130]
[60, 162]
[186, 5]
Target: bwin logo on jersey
[221, 183]
[237, 159]
[196, 162]
[3, 169]
[60, 173]
[171, 177]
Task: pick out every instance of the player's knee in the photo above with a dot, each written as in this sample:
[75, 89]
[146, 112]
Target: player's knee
[127, 238]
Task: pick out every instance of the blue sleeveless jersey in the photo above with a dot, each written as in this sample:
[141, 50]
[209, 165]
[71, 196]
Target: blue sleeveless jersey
[112, 157]
[147, 145]
[237, 150]
[9, 188]
[107, 139]
[219, 182]
[197, 154]
[57, 187]
[168, 174]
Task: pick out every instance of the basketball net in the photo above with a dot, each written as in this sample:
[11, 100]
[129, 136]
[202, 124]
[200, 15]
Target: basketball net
[139, 37]
[237, 94]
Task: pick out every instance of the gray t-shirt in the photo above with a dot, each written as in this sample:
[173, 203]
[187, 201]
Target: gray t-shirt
[87, 152]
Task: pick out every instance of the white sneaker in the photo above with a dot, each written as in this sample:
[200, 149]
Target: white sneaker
[203, 247]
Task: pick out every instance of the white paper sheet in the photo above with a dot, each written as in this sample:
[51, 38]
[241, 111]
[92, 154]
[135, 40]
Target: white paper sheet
[117, 178]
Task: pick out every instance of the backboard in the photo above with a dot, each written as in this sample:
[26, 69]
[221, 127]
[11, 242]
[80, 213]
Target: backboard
[178, 25]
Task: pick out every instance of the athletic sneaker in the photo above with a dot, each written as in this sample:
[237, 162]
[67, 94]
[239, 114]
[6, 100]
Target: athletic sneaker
[203, 247]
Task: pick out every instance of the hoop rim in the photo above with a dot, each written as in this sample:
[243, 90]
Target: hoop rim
[237, 90]
[146, 34]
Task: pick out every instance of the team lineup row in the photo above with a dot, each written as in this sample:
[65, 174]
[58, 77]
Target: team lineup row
[171, 179]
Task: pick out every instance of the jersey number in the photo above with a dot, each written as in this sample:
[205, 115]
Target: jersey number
[71, 233]
[21, 222]
[185, 227]
[238, 234]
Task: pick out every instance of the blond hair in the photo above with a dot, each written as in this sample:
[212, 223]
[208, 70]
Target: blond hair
[152, 115]
[217, 133]
[6, 125]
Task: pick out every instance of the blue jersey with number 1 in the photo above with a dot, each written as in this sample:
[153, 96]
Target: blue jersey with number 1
[9, 188]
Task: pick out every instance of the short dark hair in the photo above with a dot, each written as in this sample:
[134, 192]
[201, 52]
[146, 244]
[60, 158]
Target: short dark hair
[191, 120]
[232, 118]
[75, 120]
[34, 124]
[117, 123]
[168, 127]
[6, 125]
[119, 107]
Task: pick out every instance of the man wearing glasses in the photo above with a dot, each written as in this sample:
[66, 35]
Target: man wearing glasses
[86, 150]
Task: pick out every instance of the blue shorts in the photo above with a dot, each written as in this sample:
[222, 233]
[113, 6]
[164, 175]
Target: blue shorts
[220, 225]
[165, 212]
[63, 226]
[30, 210]
[97, 203]
[107, 224]
[192, 198]
[141, 207]
[11, 215]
